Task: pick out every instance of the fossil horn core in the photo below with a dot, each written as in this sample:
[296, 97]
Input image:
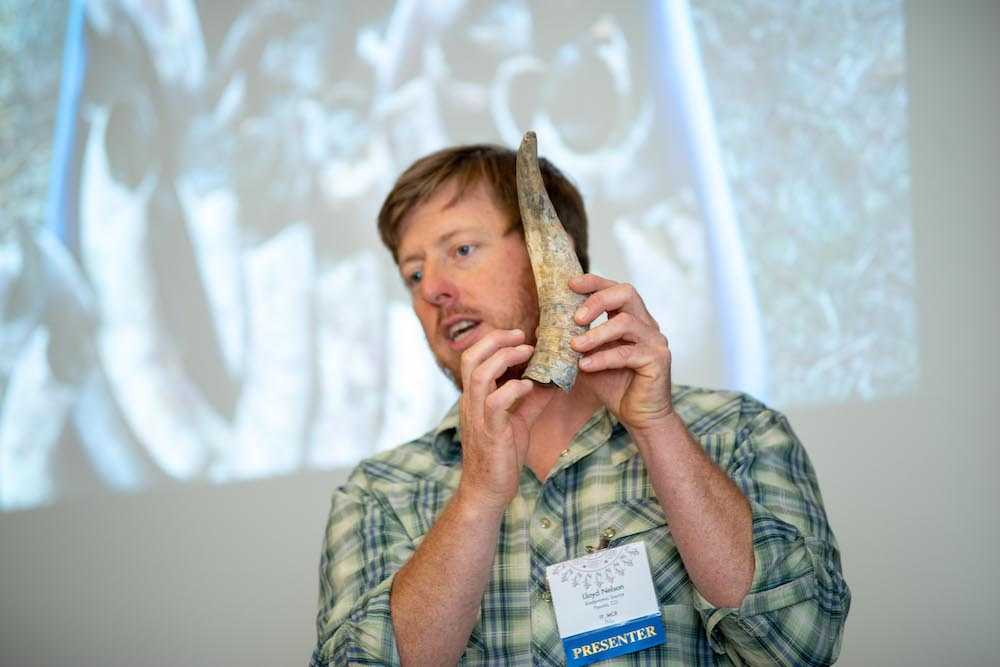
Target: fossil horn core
[554, 262]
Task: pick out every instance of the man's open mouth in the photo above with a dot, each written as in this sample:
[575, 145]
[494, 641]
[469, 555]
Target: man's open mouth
[460, 329]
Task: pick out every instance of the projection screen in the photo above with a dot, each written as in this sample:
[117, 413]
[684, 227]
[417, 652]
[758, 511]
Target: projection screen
[191, 283]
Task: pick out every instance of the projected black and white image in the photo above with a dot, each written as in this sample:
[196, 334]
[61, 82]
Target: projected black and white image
[191, 281]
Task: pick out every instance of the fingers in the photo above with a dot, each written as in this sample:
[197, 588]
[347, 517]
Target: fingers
[499, 403]
[523, 397]
[648, 355]
[483, 379]
[608, 296]
[623, 326]
[589, 282]
[535, 402]
[485, 347]
[481, 373]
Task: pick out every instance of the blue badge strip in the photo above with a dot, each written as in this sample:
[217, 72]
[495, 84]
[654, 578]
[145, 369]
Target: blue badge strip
[604, 643]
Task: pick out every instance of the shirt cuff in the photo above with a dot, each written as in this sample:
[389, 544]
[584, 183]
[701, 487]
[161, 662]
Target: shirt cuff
[784, 575]
[367, 636]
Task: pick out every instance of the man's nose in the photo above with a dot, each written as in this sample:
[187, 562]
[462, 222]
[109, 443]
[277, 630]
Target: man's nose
[436, 287]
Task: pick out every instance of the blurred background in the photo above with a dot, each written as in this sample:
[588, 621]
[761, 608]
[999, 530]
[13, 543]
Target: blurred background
[200, 333]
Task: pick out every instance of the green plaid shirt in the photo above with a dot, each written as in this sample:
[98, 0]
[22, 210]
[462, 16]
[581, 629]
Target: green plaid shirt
[793, 615]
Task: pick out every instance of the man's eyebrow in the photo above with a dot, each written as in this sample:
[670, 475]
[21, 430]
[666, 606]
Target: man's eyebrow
[442, 240]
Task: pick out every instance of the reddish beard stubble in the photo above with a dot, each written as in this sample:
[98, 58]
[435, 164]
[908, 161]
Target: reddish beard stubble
[524, 316]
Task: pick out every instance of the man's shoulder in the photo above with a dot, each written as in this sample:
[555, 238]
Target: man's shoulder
[400, 467]
[706, 410]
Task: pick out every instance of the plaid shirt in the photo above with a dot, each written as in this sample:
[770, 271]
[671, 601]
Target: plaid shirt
[793, 615]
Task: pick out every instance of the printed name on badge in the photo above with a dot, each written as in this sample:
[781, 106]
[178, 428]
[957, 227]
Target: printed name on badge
[605, 604]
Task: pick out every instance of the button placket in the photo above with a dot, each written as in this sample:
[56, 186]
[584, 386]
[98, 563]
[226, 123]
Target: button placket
[606, 536]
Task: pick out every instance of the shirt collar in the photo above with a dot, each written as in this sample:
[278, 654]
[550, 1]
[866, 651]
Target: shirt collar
[448, 436]
[603, 428]
[600, 428]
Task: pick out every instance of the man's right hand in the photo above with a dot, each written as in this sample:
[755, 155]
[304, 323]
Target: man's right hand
[462, 543]
[496, 421]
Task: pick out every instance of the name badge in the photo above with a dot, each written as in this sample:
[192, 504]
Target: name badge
[605, 604]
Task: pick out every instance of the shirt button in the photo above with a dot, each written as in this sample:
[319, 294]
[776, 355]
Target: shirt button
[564, 452]
[590, 549]
[545, 522]
[547, 596]
[608, 533]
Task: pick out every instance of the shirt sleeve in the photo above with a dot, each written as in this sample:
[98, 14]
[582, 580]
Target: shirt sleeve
[364, 546]
[795, 610]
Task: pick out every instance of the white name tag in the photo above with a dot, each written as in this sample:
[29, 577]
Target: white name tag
[605, 604]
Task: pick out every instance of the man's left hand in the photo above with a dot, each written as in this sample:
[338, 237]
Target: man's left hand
[627, 358]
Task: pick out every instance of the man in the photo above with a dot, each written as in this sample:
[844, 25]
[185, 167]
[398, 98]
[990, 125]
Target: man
[436, 551]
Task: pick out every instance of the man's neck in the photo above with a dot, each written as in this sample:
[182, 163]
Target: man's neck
[554, 429]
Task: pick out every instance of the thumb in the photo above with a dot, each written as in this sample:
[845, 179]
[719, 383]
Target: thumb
[532, 405]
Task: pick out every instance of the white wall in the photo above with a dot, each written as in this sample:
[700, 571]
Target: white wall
[227, 575]
[911, 486]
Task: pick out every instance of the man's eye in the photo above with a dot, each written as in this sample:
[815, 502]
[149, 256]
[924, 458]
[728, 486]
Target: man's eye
[414, 278]
[464, 250]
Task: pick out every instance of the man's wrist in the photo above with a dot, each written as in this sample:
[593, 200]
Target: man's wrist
[660, 432]
[477, 506]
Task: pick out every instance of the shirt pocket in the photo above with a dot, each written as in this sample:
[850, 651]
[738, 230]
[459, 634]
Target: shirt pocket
[621, 522]
[642, 520]
[417, 507]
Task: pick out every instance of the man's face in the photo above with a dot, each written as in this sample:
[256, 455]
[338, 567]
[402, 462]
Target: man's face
[468, 272]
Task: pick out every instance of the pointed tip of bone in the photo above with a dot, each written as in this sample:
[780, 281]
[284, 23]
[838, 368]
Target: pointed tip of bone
[529, 141]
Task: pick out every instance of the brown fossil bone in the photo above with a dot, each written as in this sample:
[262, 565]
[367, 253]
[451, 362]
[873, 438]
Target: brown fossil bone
[554, 262]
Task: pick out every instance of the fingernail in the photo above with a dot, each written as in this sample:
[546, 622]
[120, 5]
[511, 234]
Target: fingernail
[580, 313]
[586, 362]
